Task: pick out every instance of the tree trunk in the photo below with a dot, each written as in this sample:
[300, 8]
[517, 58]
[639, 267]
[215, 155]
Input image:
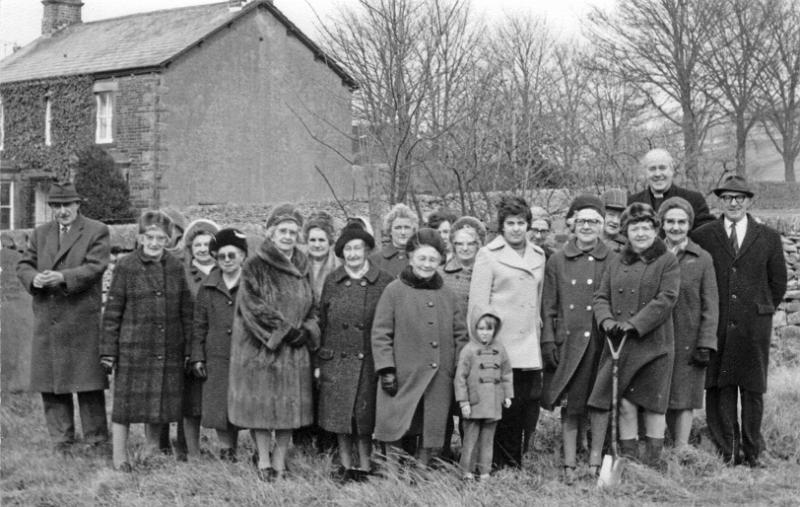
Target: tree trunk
[691, 148]
[741, 145]
[788, 167]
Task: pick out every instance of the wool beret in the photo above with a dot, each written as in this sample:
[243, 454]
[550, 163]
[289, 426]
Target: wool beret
[351, 231]
[584, 201]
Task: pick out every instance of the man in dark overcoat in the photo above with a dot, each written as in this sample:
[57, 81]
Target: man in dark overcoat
[63, 270]
[659, 171]
[751, 280]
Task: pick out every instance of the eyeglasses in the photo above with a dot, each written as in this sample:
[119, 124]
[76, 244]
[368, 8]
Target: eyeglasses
[227, 256]
[739, 198]
[540, 231]
[579, 222]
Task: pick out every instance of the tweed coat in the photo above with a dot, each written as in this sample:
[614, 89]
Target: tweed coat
[390, 259]
[66, 330]
[751, 286]
[417, 331]
[211, 342]
[571, 276]
[695, 321]
[347, 378]
[512, 285]
[146, 324]
[484, 377]
[640, 289]
[269, 381]
[458, 278]
[699, 205]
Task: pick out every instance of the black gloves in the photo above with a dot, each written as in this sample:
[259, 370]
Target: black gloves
[701, 356]
[389, 383]
[199, 370]
[108, 363]
[550, 355]
[613, 331]
[297, 337]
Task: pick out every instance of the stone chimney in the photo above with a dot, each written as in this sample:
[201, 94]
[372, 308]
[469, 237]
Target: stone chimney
[59, 14]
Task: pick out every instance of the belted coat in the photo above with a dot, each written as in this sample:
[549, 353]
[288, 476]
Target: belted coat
[512, 285]
[146, 325]
[484, 377]
[417, 332]
[695, 320]
[66, 330]
[211, 342]
[347, 378]
[751, 285]
[571, 277]
[640, 289]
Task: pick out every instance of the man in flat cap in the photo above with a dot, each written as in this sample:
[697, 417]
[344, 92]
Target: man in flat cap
[659, 171]
[63, 269]
[751, 280]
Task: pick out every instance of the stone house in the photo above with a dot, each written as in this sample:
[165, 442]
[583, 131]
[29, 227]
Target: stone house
[218, 103]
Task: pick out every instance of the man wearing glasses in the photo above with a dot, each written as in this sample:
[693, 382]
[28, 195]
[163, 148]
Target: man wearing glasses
[751, 280]
[659, 171]
[63, 269]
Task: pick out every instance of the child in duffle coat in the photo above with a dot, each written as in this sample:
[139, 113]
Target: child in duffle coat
[483, 386]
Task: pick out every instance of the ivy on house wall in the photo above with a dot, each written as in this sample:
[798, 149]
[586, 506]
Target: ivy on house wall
[72, 122]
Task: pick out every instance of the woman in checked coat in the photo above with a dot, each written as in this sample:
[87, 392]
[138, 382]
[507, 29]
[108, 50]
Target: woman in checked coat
[347, 372]
[146, 324]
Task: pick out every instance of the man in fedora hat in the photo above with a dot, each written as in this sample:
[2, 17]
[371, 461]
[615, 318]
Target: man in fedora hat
[63, 269]
[751, 280]
[659, 171]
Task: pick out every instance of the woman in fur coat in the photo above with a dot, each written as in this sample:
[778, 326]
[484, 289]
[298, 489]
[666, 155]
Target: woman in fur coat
[274, 331]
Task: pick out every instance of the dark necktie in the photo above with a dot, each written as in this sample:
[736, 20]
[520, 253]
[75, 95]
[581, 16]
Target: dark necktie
[734, 239]
[62, 231]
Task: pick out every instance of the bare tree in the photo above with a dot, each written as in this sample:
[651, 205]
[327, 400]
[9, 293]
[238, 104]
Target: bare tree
[735, 59]
[780, 85]
[658, 45]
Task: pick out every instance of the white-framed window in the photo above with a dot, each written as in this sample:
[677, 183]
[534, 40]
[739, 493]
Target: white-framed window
[48, 122]
[6, 205]
[105, 117]
[41, 211]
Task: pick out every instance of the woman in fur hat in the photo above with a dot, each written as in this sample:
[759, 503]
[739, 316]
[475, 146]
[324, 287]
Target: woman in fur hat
[274, 332]
[635, 299]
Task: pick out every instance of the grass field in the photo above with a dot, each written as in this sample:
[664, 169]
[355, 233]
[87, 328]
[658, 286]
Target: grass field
[31, 475]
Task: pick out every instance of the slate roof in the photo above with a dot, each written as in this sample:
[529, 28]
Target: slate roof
[138, 41]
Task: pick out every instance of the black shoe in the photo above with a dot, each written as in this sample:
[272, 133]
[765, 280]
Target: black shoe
[357, 475]
[754, 462]
[267, 474]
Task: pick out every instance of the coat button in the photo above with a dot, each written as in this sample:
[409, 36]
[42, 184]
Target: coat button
[228, 330]
[159, 357]
[359, 326]
[574, 282]
[631, 312]
[590, 258]
[589, 281]
[434, 365]
[589, 308]
[347, 283]
[619, 312]
[633, 291]
[586, 334]
[434, 344]
[158, 293]
[363, 283]
[360, 355]
[621, 291]
[733, 297]
[430, 304]
[571, 307]
[230, 302]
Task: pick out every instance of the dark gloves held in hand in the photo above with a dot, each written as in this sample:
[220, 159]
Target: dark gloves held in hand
[199, 370]
[297, 337]
[701, 356]
[108, 363]
[550, 355]
[389, 383]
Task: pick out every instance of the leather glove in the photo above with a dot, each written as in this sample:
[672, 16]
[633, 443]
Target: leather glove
[389, 383]
[626, 328]
[700, 357]
[613, 332]
[466, 410]
[199, 370]
[108, 363]
[297, 337]
[550, 355]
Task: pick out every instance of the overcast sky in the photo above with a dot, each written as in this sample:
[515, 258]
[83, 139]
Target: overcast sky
[20, 20]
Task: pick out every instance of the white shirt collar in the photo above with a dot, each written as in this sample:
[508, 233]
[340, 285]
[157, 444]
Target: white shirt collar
[741, 228]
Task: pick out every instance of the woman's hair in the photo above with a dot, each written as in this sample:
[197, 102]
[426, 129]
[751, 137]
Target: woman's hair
[154, 218]
[438, 217]
[323, 221]
[427, 237]
[400, 210]
[471, 224]
[638, 212]
[512, 206]
[679, 203]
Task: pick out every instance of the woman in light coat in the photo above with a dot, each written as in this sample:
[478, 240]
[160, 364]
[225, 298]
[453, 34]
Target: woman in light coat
[695, 318]
[416, 336]
[508, 276]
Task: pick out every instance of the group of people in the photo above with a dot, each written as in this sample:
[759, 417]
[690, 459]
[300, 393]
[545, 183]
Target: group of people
[393, 343]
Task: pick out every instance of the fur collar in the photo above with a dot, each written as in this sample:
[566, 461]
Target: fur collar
[409, 278]
[298, 266]
[656, 250]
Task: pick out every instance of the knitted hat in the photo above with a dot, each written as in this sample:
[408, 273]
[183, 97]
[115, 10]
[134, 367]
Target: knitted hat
[468, 222]
[638, 212]
[615, 198]
[676, 202]
[320, 220]
[584, 201]
[351, 231]
[229, 237]
[283, 213]
[427, 237]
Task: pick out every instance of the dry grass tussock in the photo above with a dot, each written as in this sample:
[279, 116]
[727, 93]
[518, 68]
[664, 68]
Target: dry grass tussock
[31, 475]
